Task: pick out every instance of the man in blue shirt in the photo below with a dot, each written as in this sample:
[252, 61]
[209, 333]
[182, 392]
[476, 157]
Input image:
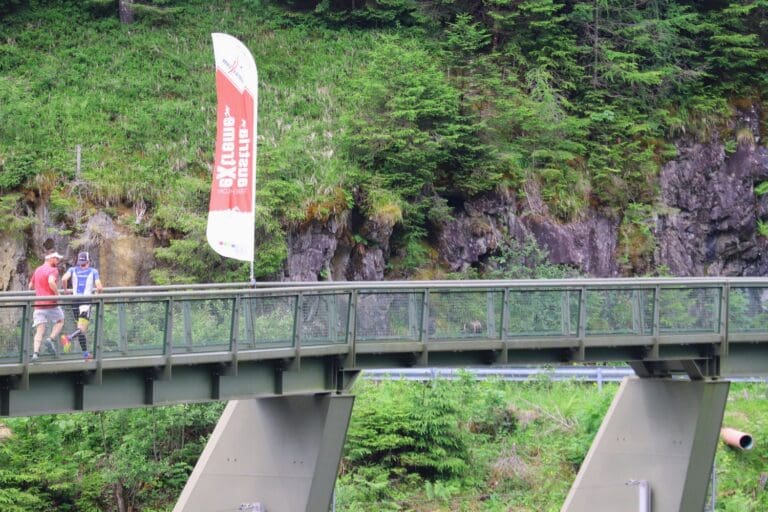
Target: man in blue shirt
[85, 281]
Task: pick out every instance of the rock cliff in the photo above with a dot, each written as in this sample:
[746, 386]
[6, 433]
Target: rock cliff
[711, 225]
[707, 224]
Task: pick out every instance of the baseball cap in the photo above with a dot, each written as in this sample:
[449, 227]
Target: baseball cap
[53, 254]
[83, 257]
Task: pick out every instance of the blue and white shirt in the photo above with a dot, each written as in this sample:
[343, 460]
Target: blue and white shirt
[83, 280]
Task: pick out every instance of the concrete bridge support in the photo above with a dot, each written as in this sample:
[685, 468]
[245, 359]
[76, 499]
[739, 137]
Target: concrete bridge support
[276, 454]
[654, 449]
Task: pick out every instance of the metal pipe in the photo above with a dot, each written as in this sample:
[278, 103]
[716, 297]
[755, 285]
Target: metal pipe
[736, 439]
[643, 495]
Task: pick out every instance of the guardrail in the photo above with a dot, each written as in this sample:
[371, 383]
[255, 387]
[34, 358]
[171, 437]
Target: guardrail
[492, 322]
[596, 374]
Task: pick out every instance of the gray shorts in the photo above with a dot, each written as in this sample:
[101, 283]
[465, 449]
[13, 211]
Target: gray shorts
[41, 316]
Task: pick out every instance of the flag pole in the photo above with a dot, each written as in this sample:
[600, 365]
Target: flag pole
[255, 157]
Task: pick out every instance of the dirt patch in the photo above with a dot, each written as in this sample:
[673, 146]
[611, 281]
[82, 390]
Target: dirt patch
[511, 467]
[524, 417]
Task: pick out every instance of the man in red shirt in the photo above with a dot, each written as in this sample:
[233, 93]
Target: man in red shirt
[45, 283]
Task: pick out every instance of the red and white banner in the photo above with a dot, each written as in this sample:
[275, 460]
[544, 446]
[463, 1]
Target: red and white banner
[233, 193]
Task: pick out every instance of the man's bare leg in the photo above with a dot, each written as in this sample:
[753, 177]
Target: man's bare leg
[56, 329]
[40, 330]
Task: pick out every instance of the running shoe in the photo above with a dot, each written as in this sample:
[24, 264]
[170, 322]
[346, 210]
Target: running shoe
[66, 343]
[49, 346]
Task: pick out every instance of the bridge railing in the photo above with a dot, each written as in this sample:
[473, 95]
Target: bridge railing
[354, 317]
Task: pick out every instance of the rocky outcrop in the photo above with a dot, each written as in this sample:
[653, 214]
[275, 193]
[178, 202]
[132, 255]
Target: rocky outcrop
[366, 264]
[13, 275]
[469, 237]
[475, 233]
[311, 249]
[122, 257]
[327, 251]
[709, 227]
[588, 245]
[126, 261]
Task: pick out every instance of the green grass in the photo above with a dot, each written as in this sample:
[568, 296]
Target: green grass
[526, 442]
[141, 99]
[141, 102]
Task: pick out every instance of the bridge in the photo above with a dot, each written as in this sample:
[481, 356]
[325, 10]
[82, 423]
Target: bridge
[286, 354]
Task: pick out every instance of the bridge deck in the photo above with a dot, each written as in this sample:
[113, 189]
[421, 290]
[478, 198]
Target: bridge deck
[176, 344]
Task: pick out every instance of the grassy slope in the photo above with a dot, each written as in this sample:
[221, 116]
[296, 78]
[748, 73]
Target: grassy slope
[526, 443]
[140, 100]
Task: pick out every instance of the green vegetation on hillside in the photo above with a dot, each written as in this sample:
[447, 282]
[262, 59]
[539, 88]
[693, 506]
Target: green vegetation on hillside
[413, 102]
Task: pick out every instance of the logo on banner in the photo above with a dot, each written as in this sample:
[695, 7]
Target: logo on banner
[233, 69]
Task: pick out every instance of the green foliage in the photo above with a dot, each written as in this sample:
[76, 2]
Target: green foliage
[739, 473]
[533, 120]
[82, 461]
[410, 429]
[465, 37]
[525, 443]
[12, 221]
[377, 13]
[383, 206]
[186, 260]
[531, 456]
[523, 260]
[408, 106]
[636, 240]
[762, 228]
[412, 250]
[762, 188]
[738, 45]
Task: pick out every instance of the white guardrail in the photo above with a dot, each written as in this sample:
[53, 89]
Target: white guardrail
[598, 374]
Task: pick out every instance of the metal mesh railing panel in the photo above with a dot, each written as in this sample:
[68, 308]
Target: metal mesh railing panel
[324, 318]
[134, 328]
[462, 315]
[266, 322]
[748, 310]
[543, 313]
[71, 314]
[461, 312]
[11, 318]
[202, 325]
[689, 310]
[388, 316]
[619, 312]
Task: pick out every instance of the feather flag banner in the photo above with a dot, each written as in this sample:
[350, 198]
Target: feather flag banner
[231, 212]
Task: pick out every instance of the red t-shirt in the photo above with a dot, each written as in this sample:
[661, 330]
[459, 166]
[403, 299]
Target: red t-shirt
[42, 286]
